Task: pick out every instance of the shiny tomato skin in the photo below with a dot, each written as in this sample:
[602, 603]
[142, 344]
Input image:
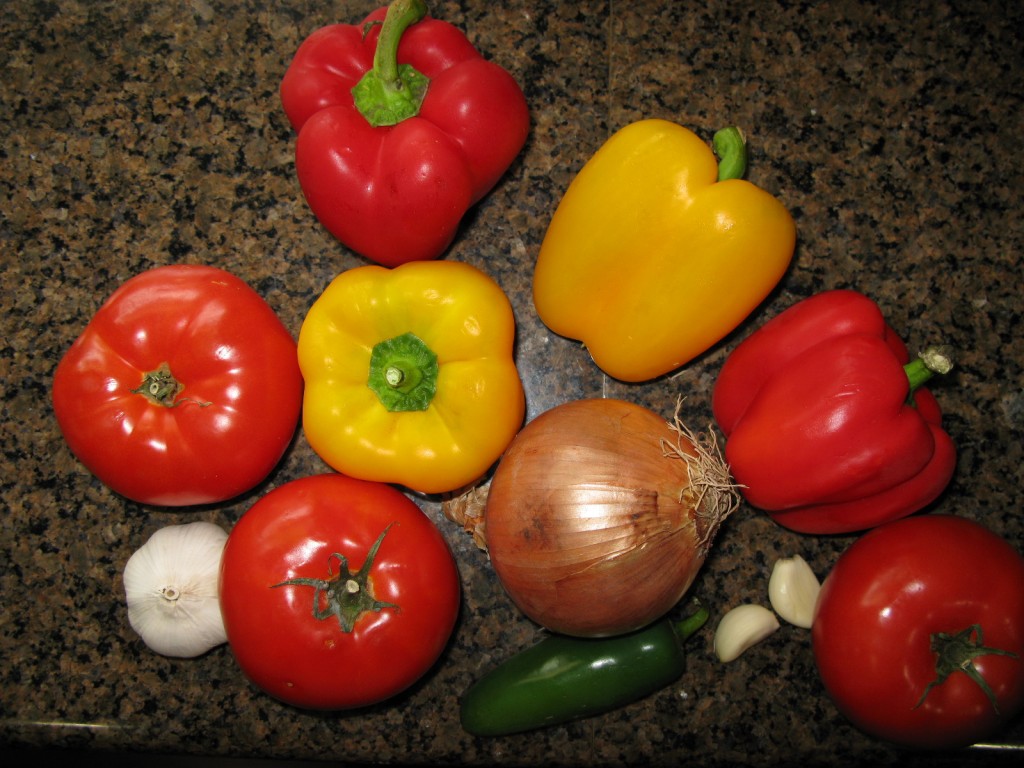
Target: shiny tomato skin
[877, 609]
[232, 421]
[291, 533]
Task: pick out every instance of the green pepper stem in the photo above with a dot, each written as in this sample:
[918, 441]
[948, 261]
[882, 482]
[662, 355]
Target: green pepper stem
[390, 93]
[401, 15]
[731, 148]
[934, 360]
[403, 373]
[693, 622]
[394, 376]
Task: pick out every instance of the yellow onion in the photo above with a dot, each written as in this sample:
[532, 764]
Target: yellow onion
[600, 514]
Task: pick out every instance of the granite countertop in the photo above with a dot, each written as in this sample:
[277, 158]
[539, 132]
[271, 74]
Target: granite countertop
[139, 133]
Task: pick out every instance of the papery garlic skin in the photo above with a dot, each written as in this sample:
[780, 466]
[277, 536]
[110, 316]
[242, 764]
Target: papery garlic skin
[170, 584]
[741, 628]
[793, 590]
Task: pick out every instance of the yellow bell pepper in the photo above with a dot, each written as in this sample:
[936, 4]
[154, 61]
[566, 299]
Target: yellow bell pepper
[409, 373]
[656, 251]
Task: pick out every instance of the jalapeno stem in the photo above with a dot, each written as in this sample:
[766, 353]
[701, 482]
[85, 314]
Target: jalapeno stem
[693, 622]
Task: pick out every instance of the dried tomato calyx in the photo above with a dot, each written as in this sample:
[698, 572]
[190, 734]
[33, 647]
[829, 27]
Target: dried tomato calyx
[957, 653]
[345, 595]
[161, 388]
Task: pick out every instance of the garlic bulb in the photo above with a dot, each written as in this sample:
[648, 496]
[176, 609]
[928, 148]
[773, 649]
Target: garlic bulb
[742, 627]
[793, 590]
[171, 588]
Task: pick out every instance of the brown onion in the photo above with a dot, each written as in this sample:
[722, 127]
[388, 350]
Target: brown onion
[600, 514]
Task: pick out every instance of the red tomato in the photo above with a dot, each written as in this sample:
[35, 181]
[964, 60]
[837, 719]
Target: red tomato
[319, 618]
[883, 611]
[183, 389]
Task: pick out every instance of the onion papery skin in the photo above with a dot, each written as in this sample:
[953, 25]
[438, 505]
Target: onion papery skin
[591, 525]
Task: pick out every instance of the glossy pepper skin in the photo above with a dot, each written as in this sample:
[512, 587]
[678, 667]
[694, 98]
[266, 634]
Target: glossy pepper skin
[567, 678]
[391, 168]
[827, 428]
[409, 374]
[657, 251]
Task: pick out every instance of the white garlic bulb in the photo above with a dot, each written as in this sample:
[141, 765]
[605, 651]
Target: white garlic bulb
[793, 590]
[170, 585]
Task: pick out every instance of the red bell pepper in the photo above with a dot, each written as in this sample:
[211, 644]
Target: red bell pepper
[402, 127]
[827, 427]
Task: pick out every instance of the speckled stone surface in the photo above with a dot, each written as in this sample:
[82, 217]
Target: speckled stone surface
[135, 134]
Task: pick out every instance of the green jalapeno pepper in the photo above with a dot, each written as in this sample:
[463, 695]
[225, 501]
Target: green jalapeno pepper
[567, 678]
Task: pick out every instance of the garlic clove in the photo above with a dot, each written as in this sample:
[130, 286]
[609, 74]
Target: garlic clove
[793, 590]
[741, 628]
[170, 586]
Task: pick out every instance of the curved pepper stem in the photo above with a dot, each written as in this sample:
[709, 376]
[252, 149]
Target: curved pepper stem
[693, 622]
[403, 373]
[731, 148]
[934, 360]
[392, 92]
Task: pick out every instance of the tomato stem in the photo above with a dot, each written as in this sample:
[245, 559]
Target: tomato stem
[346, 595]
[957, 653]
[161, 388]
